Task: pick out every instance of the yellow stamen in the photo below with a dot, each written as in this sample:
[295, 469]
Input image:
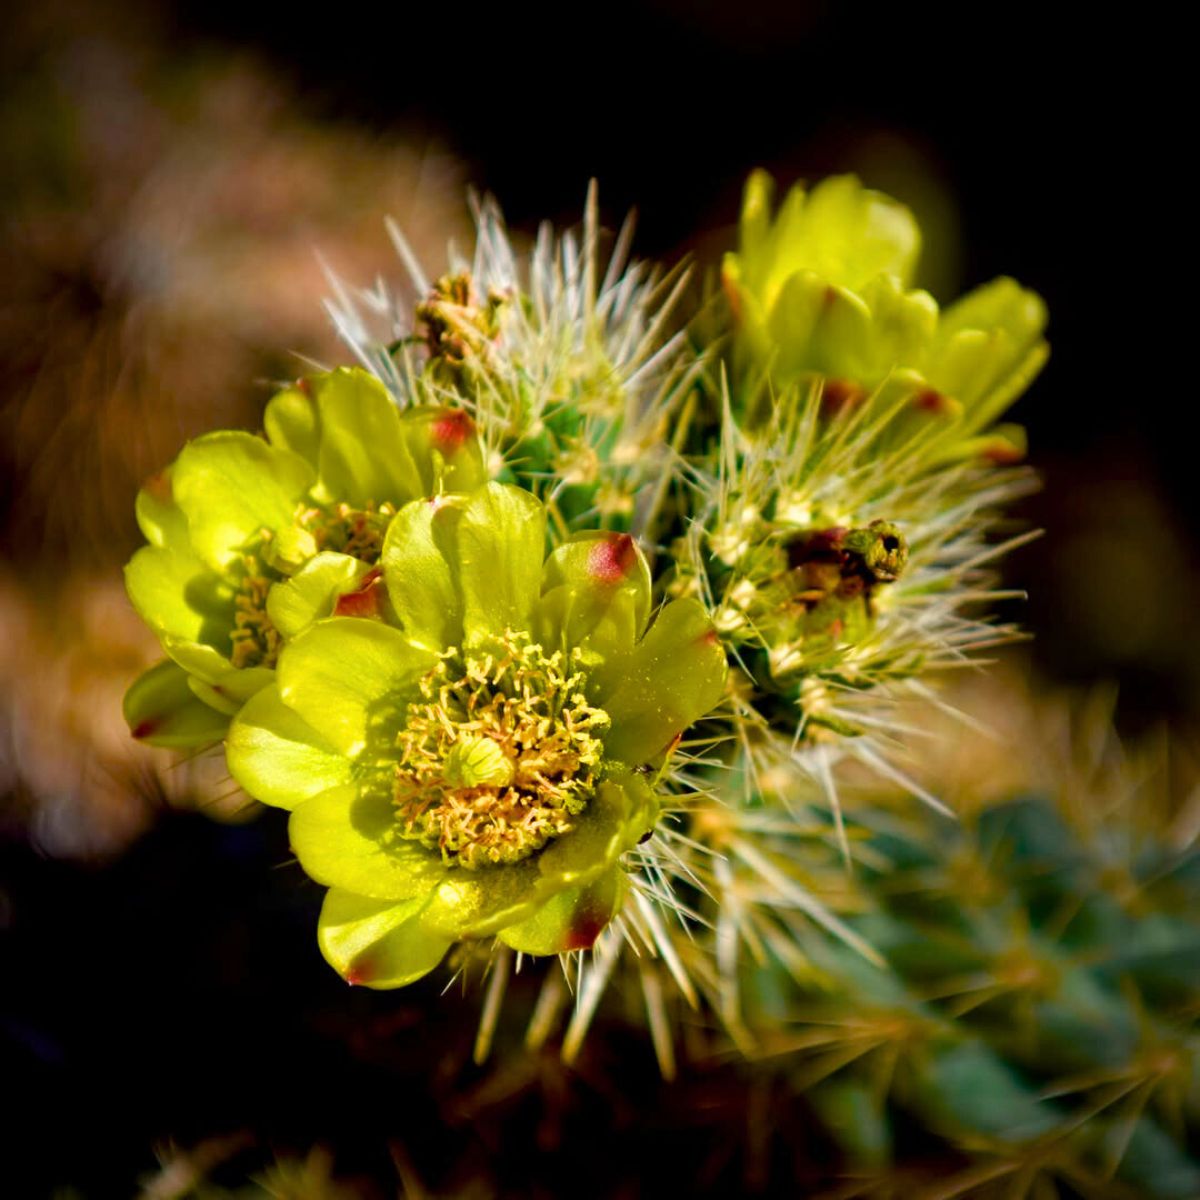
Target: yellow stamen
[358, 532]
[255, 640]
[500, 754]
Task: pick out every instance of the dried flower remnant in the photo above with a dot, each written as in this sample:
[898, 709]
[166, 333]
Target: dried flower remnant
[572, 362]
[454, 325]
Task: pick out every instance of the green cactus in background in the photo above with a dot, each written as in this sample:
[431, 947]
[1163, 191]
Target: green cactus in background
[1033, 1007]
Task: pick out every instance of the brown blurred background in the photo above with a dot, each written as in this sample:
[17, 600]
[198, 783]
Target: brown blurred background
[171, 174]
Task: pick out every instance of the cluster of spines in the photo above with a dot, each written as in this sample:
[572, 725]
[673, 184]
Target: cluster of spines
[1023, 994]
[579, 379]
[1002, 1006]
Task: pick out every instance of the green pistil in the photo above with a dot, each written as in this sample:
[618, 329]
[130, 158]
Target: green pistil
[499, 755]
[255, 640]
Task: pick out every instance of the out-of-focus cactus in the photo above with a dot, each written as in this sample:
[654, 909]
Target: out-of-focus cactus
[1033, 1010]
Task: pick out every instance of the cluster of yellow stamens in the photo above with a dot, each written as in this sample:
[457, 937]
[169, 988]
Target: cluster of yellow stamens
[358, 532]
[255, 640]
[499, 755]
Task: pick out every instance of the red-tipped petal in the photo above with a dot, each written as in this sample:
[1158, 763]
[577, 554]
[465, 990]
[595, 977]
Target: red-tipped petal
[614, 559]
[366, 600]
[359, 972]
[451, 430]
[932, 401]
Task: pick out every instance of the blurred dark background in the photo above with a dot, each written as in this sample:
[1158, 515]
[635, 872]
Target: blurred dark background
[169, 171]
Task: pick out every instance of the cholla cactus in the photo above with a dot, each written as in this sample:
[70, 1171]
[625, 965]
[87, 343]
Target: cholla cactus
[571, 367]
[845, 519]
[1036, 1016]
[596, 671]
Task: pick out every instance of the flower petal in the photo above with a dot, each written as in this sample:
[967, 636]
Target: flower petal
[378, 944]
[179, 596]
[501, 539]
[602, 562]
[291, 423]
[445, 447]
[313, 591]
[162, 711]
[820, 327]
[623, 810]
[903, 324]
[754, 224]
[350, 679]
[277, 756]
[600, 584]
[675, 676]
[990, 349]
[364, 457]
[420, 564]
[792, 321]
[852, 234]
[214, 697]
[232, 485]
[158, 516]
[466, 567]
[840, 231]
[232, 686]
[478, 903]
[347, 837]
[606, 645]
[570, 920]
[1001, 304]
